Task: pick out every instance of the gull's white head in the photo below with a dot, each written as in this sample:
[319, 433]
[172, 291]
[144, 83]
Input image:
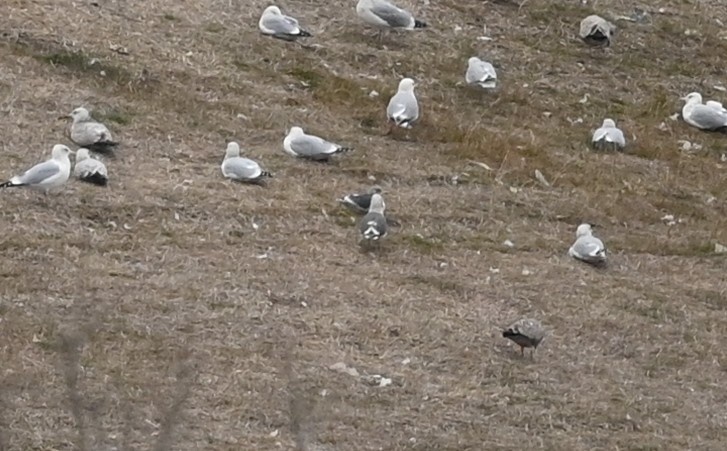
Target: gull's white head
[406, 84]
[81, 154]
[692, 97]
[473, 60]
[609, 123]
[80, 114]
[233, 150]
[583, 229]
[60, 152]
[295, 131]
[377, 204]
[272, 10]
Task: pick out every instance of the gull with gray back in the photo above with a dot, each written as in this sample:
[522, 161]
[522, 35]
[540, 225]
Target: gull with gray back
[597, 31]
[383, 14]
[90, 170]
[608, 137]
[90, 134]
[373, 227]
[403, 107]
[47, 176]
[480, 73]
[276, 24]
[588, 248]
[239, 169]
[298, 144]
[704, 117]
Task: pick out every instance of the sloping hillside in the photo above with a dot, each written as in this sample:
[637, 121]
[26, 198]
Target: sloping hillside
[177, 310]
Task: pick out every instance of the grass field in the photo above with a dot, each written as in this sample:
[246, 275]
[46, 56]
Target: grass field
[175, 310]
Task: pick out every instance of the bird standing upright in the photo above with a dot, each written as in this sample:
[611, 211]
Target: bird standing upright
[47, 176]
[403, 108]
[373, 227]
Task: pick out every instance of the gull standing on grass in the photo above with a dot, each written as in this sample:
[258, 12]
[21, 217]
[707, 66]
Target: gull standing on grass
[527, 333]
[382, 15]
[597, 31]
[310, 147]
[373, 226]
[403, 108]
[703, 117]
[90, 170]
[587, 247]
[360, 202]
[46, 176]
[608, 137]
[274, 23]
[480, 73]
[241, 169]
[88, 133]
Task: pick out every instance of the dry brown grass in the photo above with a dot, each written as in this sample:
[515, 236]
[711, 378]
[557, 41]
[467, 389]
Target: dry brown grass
[190, 339]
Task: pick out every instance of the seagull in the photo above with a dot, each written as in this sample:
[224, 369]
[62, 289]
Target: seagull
[241, 169]
[373, 226]
[587, 247]
[597, 31]
[403, 108]
[88, 133]
[480, 73]
[89, 169]
[360, 202]
[382, 15]
[274, 23]
[608, 137]
[310, 147]
[527, 333]
[46, 176]
[704, 117]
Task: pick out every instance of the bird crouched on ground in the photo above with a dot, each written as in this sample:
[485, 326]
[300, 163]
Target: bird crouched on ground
[526, 333]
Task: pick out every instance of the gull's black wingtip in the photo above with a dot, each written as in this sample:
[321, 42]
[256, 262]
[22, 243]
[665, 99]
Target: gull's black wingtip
[96, 179]
[419, 24]
[105, 147]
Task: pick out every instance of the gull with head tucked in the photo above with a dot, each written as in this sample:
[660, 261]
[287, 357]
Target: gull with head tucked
[382, 14]
[704, 117]
[276, 24]
[90, 170]
[239, 169]
[587, 247]
[608, 137]
[480, 73]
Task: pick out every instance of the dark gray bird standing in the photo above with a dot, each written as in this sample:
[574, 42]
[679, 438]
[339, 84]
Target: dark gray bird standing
[526, 333]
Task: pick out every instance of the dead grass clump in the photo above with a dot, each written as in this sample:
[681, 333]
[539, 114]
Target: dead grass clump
[420, 243]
